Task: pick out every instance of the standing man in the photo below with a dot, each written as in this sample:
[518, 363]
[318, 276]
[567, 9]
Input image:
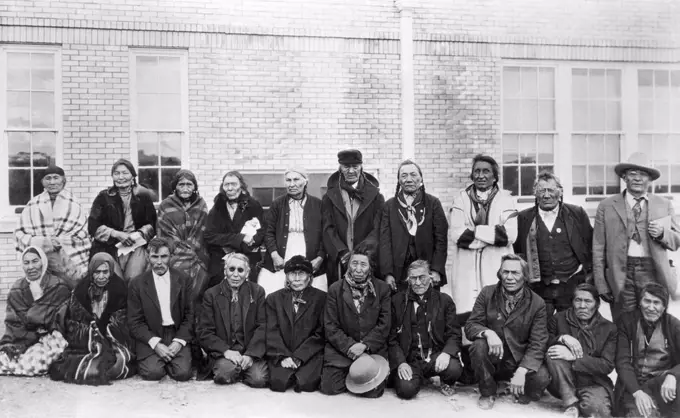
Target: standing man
[161, 316]
[351, 211]
[413, 226]
[633, 232]
[55, 222]
[555, 238]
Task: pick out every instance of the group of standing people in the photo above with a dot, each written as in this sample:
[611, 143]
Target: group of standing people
[131, 289]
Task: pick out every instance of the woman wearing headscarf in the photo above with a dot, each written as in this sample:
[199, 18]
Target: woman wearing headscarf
[181, 218]
[96, 315]
[235, 224]
[123, 214]
[35, 309]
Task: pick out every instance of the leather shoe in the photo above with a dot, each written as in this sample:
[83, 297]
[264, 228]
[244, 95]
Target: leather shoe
[486, 402]
[571, 412]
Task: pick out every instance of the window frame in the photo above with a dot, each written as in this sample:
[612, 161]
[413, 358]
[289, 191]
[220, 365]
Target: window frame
[5, 208]
[182, 54]
[564, 118]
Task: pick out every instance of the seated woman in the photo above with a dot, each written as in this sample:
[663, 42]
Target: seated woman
[96, 328]
[35, 307]
[123, 214]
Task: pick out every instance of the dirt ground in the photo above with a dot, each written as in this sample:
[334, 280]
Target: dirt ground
[40, 397]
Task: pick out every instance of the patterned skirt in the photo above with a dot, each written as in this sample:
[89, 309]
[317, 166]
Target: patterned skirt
[37, 359]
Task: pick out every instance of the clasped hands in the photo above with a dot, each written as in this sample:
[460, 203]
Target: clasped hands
[167, 352]
[241, 360]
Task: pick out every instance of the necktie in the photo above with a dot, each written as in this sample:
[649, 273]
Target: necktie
[637, 210]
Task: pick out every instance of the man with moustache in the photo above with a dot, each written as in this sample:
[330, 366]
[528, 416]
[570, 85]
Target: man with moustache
[555, 238]
[648, 358]
[231, 329]
[634, 230]
[160, 316]
[581, 356]
[351, 212]
[413, 226]
[425, 338]
[508, 330]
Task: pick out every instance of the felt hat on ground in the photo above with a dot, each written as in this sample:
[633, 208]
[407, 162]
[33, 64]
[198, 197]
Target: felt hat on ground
[637, 161]
[367, 373]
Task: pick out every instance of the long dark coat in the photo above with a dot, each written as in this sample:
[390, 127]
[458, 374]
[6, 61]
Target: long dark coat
[213, 330]
[276, 233]
[446, 334]
[336, 221]
[525, 330]
[344, 326]
[295, 335]
[223, 232]
[431, 238]
[144, 312]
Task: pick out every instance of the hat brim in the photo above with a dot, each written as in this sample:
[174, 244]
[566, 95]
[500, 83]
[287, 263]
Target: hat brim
[383, 371]
[620, 170]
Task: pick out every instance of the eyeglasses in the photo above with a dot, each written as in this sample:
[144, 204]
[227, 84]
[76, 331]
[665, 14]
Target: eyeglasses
[233, 269]
[416, 279]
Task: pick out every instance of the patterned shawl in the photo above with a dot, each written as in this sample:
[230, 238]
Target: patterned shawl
[185, 227]
[360, 290]
[65, 220]
[482, 207]
[412, 214]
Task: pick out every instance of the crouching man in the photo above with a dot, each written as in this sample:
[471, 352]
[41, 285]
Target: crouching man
[232, 326]
[648, 358]
[581, 356]
[509, 334]
[425, 338]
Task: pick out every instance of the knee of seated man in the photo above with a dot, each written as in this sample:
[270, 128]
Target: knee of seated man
[155, 373]
[452, 372]
[479, 348]
[182, 375]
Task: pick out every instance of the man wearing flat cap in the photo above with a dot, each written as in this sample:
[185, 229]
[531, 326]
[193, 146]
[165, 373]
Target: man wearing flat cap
[55, 222]
[632, 234]
[351, 212]
[295, 340]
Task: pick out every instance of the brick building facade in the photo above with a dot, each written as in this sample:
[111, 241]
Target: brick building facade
[259, 85]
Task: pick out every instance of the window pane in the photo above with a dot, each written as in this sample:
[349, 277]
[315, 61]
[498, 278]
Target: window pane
[661, 115]
[597, 84]
[148, 177]
[661, 83]
[578, 178]
[612, 148]
[528, 175]
[579, 83]
[44, 149]
[613, 182]
[580, 115]
[511, 82]
[147, 149]
[660, 154]
[579, 149]
[37, 181]
[169, 76]
[511, 111]
[264, 195]
[510, 149]
[148, 115]
[167, 175]
[675, 178]
[645, 84]
[661, 185]
[169, 111]
[675, 84]
[546, 83]
[511, 180]
[529, 84]
[42, 110]
[675, 116]
[646, 115]
[546, 115]
[596, 179]
[597, 115]
[171, 148]
[146, 81]
[42, 71]
[19, 187]
[18, 109]
[596, 149]
[613, 116]
[613, 84]
[545, 149]
[19, 147]
[529, 115]
[527, 149]
[18, 71]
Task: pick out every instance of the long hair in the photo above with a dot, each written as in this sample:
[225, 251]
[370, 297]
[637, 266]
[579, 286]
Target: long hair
[241, 180]
[526, 271]
[487, 159]
[587, 287]
[409, 162]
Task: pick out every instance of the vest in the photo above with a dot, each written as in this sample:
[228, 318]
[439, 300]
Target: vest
[556, 259]
[419, 327]
[641, 224]
[653, 358]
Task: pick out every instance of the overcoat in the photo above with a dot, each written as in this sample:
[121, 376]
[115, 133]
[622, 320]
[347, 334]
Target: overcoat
[144, 312]
[344, 326]
[610, 243]
[290, 334]
[431, 238]
[525, 330]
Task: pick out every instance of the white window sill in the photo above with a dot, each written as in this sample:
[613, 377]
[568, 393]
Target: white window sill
[8, 222]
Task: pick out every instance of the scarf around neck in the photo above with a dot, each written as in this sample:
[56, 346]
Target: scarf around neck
[409, 213]
[585, 333]
[510, 301]
[360, 290]
[356, 194]
[481, 206]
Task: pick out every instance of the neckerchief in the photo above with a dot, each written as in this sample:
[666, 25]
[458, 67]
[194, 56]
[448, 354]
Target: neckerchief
[358, 193]
[296, 295]
[481, 206]
[511, 301]
[360, 290]
[234, 293]
[408, 213]
[585, 332]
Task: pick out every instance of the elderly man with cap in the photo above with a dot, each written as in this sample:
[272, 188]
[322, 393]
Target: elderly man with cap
[357, 326]
[425, 339]
[648, 358]
[351, 207]
[294, 227]
[55, 222]
[295, 339]
[413, 226]
[232, 325]
[633, 232]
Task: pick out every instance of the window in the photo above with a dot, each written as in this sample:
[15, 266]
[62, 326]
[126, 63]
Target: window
[159, 117]
[659, 124]
[528, 126]
[32, 120]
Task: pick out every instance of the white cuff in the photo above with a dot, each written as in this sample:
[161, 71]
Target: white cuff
[181, 341]
[153, 342]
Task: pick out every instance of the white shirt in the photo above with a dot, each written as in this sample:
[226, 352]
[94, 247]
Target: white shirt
[635, 249]
[549, 216]
[162, 284]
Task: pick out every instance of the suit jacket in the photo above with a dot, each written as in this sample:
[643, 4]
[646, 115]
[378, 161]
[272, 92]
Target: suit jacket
[610, 243]
[214, 326]
[344, 326]
[446, 334]
[524, 331]
[276, 232]
[431, 238]
[336, 222]
[578, 230]
[295, 335]
[144, 311]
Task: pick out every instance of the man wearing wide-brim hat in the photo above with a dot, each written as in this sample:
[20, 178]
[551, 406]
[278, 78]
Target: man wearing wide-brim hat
[632, 234]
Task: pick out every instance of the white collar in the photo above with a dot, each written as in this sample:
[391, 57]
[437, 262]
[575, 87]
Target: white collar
[631, 199]
[483, 195]
[164, 277]
[554, 211]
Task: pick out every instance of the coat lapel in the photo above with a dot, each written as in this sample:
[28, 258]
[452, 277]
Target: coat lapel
[175, 289]
[521, 307]
[245, 303]
[369, 195]
[222, 301]
[347, 297]
[288, 306]
[151, 291]
[335, 196]
[619, 203]
[303, 306]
